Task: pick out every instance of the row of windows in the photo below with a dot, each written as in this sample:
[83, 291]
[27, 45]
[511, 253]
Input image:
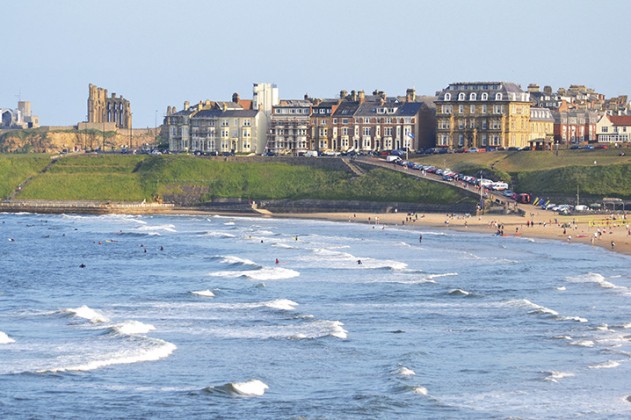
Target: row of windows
[497, 109]
[302, 111]
[605, 129]
[202, 122]
[485, 96]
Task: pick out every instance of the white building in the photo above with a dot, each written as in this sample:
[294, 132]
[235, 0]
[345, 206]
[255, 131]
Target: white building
[613, 129]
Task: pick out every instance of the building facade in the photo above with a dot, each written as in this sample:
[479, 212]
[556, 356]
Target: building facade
[103, 109]
[18, 118]
[613, 129]
[482, 115]
[290, 127]
[541, 128]
[575, 126]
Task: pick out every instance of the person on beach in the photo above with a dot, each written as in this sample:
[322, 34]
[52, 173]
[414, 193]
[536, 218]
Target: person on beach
[420, 238]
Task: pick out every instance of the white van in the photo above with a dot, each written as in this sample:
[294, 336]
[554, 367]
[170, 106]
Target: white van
[311, 153]
[499, 186]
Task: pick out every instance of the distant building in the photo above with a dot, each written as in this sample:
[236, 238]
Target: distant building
[574, 126]
[614, 129]
[541, 128]
[234, 126]
[18, 118]
[289, 130]
[482, 115]
[103, 109]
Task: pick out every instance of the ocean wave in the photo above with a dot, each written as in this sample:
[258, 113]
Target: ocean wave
[403, 371]
[155, 228]
[420, 390]
[609, 364]
[5, 339]
[459, 292]
[263, 273]
[132, 327]
[556, 376]
[203, 293]
[86, 312]
[281, 304]
[599, 279]
[232, 260]
[159, 349]
[543, 311]
[582, 343]
[251, 388]
[221, 235]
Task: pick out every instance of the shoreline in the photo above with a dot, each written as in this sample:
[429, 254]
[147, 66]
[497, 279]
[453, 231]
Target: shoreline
[589, 229]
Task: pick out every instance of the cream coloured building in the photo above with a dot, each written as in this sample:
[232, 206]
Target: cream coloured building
[482, 115]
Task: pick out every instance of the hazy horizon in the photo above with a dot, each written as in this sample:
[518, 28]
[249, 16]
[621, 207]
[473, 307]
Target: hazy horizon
[159, 53]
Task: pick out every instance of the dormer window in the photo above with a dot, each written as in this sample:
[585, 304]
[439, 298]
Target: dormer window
[461, 96]
[448, 96]
[498, 96]
[485, 96]
[472, 97]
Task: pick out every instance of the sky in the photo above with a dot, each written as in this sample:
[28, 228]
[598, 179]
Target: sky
[158, 53]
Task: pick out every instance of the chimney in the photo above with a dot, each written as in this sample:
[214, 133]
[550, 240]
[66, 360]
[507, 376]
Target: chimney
[410, 95]
[343, 94]
[353, 96]
[187, 105]
[235, 98]
[362, 96]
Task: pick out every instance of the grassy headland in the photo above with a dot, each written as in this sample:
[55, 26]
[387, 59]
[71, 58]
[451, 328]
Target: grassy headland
[192, 180]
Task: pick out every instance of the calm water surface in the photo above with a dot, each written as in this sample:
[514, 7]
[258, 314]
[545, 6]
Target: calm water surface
[185, 316]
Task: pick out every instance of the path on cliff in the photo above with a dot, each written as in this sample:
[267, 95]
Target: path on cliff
[30, 178]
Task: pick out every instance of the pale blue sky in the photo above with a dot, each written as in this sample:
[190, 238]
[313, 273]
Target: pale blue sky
[158, 53]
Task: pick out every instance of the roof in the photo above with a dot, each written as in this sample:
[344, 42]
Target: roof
[491, 88]
[346, 109]
[620, 119]
[229, 113]
[246, 103]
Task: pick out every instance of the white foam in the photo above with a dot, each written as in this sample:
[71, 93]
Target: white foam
[204, 293]
[229, 224]
[439, 275]
[264, 273]
[161, 351]
[86, 312]
[406, 372]
[133, 327]
[253, 387]
[338, 331]
[574, 318]
[583, 343]
[219, 235]
[5, 339]
[420, 390]
[459, 292]
[592, 278]
[606, 365]
[282, 304]
[155, 228]
[555, 375]
[561, 288]
[229, 259]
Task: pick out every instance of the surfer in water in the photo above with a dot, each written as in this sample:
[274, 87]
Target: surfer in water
[277, 262]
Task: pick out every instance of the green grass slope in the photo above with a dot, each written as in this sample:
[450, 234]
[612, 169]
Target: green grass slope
[14, 169]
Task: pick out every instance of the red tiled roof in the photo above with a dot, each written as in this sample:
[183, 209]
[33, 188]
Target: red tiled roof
[620, 119]
[246, 103]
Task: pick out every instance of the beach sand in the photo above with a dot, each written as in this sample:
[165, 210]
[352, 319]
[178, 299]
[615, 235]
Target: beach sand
[590, 229]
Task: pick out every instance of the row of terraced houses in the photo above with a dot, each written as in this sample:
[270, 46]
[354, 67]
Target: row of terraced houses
[489, 115]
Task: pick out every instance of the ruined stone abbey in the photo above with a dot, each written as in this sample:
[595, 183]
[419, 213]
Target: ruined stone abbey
[102, 109]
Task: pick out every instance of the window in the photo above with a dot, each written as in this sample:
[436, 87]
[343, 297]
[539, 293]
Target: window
[461, 96]
[387, 131]
[498, 96]
[344, 120]
[448, 96]
[345, 131]
[334, 120]
[460, 109]
[485, 96]
[484, 109]
[472, 108]
[472, 97]
[605, 129]
[460, 124]
[460, 140]
[366, 131]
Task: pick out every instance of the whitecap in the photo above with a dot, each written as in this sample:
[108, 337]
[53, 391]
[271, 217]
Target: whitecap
[154, 228]
[561, 288]
[203, 293]
[459, 292]
[264, 273]
[86, 312]
[440, 275]
[229, 224]
[5, 339]
[219, 235]
[583, 343]
[403, 371]
[605, 365]
[232, 260]
[251, 388]
[574, 318]
[282, 304]
[555, 375]
[592, 278]
[338, 331]
[161, 350]
[420, 390]
[132, 327]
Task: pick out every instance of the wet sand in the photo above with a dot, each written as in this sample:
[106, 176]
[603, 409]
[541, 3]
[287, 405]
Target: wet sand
[590, 229]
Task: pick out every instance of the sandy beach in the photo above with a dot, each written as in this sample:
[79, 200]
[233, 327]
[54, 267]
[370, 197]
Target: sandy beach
[590, 229]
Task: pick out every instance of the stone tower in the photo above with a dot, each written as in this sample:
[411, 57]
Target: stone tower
[102, 109]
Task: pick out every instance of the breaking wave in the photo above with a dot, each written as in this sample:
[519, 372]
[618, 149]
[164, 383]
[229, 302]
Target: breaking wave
[132, 327]
[263, 273]
[251, 388]
[203, 293]
[5, 339]
[86, 312]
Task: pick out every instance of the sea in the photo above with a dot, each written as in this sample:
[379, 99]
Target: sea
[133, 317]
